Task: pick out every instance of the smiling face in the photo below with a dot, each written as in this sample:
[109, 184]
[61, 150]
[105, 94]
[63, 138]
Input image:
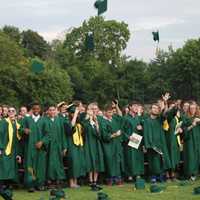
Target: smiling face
[5, 111]
[36, 110]
[155, 110]
[95, 109]
[186, 106]
[52, 111]
[63, 108]
[133, 108]
[23, 111]
[109, 113]
[193, 109]
[11, 112]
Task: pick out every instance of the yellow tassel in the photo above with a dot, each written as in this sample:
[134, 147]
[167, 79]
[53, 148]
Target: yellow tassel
[166, 125]
[78, 135]
[10, 135]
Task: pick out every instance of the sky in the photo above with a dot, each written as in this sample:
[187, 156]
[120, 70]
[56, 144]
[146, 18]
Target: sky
[176, 20]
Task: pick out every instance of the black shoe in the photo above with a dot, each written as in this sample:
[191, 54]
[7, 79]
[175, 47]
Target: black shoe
[41, 188]
[31, 190]
[96, 188]
[99, 187]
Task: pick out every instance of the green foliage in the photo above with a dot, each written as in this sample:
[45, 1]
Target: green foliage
[71, 71]
[13, 32]
[22, 86]
[35, 45]
[10, 52]
[110, 38]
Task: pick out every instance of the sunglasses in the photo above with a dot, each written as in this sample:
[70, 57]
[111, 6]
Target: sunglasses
[11, 111]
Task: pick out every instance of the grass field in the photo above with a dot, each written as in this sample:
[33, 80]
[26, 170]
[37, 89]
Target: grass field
[173, 191]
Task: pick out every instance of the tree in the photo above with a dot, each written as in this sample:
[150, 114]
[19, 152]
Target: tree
[35, 45]
[110, 39]
[10, 52]
[19, 85]
[13, 32]
[184, 68]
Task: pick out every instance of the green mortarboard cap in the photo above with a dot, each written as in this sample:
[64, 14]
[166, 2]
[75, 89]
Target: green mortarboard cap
[102, 196]
[196, 190]
[155, 188]
[89, 41]
[58, 193]
[140, 184]
[101, 6]
[37, 67]
[6, 193]
[71, 108]
[184, 183]
[156, 36]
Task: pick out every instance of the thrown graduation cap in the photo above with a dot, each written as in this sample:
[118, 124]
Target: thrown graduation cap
[156, 36]
[89, 41]
[101, 6]
[37, 67]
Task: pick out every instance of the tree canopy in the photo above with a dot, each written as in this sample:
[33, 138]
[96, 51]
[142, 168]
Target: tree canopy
[71, 71]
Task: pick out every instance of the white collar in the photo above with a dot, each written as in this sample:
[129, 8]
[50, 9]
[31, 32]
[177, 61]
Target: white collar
[52, 119]
[35, 118]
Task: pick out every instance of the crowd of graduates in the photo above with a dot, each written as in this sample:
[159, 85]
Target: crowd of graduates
[65, 142]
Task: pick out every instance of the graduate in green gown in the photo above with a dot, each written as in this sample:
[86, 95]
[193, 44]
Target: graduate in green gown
[5, 111]
[92, 147]
[57, 149]
[192, 142]
[134, 158]
[62, 109]
[9, 146]
[155, 141]
[36, 141]
[112, 144]
[173, 138]
[75, 140]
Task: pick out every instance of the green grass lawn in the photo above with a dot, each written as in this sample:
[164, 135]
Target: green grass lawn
[173, 191]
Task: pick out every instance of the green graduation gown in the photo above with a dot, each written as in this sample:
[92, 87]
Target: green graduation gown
[93, 148]
[34, 159]
[134, 158]
[58, 143]
[191, 149]
[75, 154]
[173, 142]
[8, 163]
[154, 139]
[113, 150]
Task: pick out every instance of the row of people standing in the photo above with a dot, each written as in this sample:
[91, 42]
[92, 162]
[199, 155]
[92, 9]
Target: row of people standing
[91, 142]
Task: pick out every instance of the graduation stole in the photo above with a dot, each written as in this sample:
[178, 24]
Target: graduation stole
[178, 136]
[166, 125]
[78, 135]
[10, 135]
